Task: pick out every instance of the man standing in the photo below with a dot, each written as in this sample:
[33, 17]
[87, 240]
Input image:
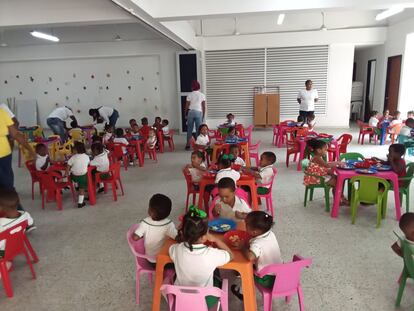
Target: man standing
[307, 99]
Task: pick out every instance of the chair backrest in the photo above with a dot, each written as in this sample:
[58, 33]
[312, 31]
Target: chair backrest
[117, 149]
[38, 132]
[305, 164]
[138, 249]
[115, 169]
[255, 147]
[14, 237]
[408, 255]
[301, 131]
[344, 140]
[77, 134]
[287, 275]
[31, 167]
[367, 187]
[270, 183]
[48, 179]
[409, 174]
[186, 297]
[360, 124]
[351, 156]
[187, 176]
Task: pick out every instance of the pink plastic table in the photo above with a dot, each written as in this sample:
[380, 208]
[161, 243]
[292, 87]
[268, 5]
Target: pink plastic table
[302, 146]
[342, 175]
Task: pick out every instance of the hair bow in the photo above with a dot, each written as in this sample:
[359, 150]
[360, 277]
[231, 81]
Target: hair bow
[194, 211]
[228, 157]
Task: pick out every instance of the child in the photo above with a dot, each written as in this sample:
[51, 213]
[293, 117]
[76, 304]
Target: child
[194, 261]
[311, 122]
[406, 225]
[229, 205]
[231, 135]
[225, 170]
[132, 122]
[410, 114]
[264, 172]
[152, 138]
[234, 150]
[121, 139]
[165, 128]
[230, 120]
[157, 227]
[263, 249]
[9, 201]
[109, 134]
[157, 123]
[42, 157]
[373, 120]
[203, 140]
[385, 116]
[405, 132]
[144, 130]
[396, 120]
[197, 167]
[396, 161]
[101, 161]
[78, 169]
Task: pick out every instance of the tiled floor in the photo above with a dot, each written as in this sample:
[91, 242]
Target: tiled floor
[85, 263]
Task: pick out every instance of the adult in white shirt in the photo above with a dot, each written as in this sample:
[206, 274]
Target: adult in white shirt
[57, 121]
[307, 99]
[105, 115]
[195, 109]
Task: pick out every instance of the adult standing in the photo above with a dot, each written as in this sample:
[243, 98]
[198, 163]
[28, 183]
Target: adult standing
[105, 114]
[57, 121]
[307, 99]
[14, 119]
[195, 109]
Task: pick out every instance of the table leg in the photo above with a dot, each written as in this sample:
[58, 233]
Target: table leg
[214, 154]
[337, 196]
[249, 291]
[202, 185]
[139, 154]
[91, 189]
[397, 198]
[247, 157]
[159, 277]
[302, 146]
[253, 191]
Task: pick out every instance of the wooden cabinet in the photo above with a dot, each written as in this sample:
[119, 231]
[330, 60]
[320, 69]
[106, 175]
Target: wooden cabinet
[266, 109]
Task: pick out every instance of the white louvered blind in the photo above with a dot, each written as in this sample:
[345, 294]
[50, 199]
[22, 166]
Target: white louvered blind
[230, 78]
[290, 67]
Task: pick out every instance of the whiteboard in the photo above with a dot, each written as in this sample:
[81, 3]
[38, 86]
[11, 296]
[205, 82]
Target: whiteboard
[26, 112]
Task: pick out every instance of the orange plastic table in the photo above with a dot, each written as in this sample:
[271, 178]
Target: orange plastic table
[243, 146]
[239, 263]
[245, 180]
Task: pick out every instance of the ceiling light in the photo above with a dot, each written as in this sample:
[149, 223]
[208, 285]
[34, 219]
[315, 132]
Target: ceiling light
[280, 19]
[118, 38]
[44, 36]
[390, 12]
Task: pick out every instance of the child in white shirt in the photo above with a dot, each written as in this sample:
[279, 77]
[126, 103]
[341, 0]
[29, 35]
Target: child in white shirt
[230, 120]
[203, 140]
[396, 120]
[78, 170]
[225, 170]
[406, 225]
[405, 132]
[109, 134]
[194, 261]
[156, 228]
[101, 161]
[152, 138]
[165, 128]
[197, 167]
[121, 139]
[310, 122]
[42, 157]
[264, 173]
[234, 150]
[229, 205]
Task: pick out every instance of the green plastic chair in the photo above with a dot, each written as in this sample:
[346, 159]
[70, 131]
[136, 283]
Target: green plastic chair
[365, 190]
[405, 189]
[408, 270]
[309, 189]
[351, 156]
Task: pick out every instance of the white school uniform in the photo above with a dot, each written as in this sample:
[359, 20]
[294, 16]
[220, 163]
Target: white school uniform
[239, 161]
[79, 164]
[155, 233]
[106, 113]
[227, 172]
[101, 161]
[266, 249]
[40, 161]
[196, 174]
[122, 140]
[266, 174]
[166, 130]
[202, 140]
[6, 223]
[307, 99]
[227, 211]
[373, 121]
[196, 268]
[62, 113]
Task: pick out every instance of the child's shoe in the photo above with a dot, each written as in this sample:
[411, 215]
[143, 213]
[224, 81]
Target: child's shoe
[80, 205]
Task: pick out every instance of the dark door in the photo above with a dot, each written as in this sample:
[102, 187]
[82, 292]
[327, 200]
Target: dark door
[369, 93]
[392, 86]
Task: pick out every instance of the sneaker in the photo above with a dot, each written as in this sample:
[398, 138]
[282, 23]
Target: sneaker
[101, 190]
[30, 228]
[80, 205]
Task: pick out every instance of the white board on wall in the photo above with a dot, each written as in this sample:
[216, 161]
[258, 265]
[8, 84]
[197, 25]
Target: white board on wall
[26, 112]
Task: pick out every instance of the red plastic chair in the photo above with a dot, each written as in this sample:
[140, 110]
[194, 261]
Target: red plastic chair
[254, 152]
[365, 129]
[152, 153]
[160, 141]
[169, 139]
[118, 153]
[343, 141]
[114, 179]
[31, 167]
[292, 147]
[268, 195]
[51, 188]
[185, 298]
[190, 188]
[287, 281]
[214, 134]
[16, 244]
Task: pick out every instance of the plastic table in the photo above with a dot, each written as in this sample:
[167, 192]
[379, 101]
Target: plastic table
[302, 146]
[342, 175]
[244, 146]
[239, 264]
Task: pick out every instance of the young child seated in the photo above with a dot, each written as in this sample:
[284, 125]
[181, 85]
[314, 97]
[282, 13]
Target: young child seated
[109, 134]
[42, 157]
[234, 150]
[203, 140]
[229, 205]
[310, 122]
[197, 167]
[78, 170]
[145, 128]
[395, 121]
[101, 161]
[195, 263]
[230, 120]
[231, 135]
[10, 216]
[264, 172]
[385, 116]
[406, 225]
[410, 114]
[373, 120]
[119, 133]
[225, 170]
[165, 128]
[406, 131]
[157, 123]
[396, 161]
[152, 138]
[263, 249]
[157, 227]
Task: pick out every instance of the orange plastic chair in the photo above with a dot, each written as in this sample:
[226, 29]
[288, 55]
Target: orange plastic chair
[114, 179]
[52, 185]
[396, 131]
[31, 167]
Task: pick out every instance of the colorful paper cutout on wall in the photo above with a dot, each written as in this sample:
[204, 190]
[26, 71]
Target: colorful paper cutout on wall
[5, 81]
[17, 76]
[129, 87]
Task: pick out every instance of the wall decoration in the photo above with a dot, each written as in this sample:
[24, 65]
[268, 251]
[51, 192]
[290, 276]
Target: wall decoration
[67, 97]
[56, 104]
[108, 75]
[21, 93]
[158, 73]
[31, 79]
[92, 77]
[129, 87]
[5, 81]
[119, 98]
[84, 87]
[17, 76]
[142, 78]
[127, 72]
[57, 89]
[74, 75]
[45, 92]
[107, 87]
[50, 79]
[155, 88]
[101, 87]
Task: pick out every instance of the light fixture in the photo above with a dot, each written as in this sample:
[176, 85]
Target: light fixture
[323, 26]
[280, 19]
[118, 38]
[44, 36]
[390, 12]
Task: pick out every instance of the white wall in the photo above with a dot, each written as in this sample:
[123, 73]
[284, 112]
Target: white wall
[142, 58]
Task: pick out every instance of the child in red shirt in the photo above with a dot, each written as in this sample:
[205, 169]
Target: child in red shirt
[396, 161]
[144, 130]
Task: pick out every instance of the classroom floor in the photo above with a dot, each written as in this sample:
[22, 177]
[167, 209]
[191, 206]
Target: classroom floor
[85, 262]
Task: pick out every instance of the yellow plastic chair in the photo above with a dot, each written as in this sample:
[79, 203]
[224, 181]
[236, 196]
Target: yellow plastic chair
[77, 135]
[62, 150]
[53, 146]
[38, 132]
[25, 153]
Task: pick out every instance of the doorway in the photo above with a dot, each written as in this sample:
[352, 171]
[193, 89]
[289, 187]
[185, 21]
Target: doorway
[369, 94]
[392, 86]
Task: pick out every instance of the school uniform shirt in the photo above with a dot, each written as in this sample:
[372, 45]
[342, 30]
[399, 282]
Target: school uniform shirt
[144, 131]
[373, 122]
[61, 113]
[227, 172]
[101, 162]
[202, 140]
[154, 234]
[239, 161]
[196, 98]
[227, 211]
[79, 164]
[166, 130]
[40, 161]
[6, 223]
[105, 113]
[122, 140]
[266, 174]
[266, 249]
[307, 99]
[196, 267]
[196, 174]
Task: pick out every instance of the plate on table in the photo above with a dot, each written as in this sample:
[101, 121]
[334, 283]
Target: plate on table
[221, 225]
[366, 171]
[234, 236]
[381, 167]
[346, 167]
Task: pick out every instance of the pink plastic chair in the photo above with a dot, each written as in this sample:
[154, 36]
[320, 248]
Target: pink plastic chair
[287, 281]
[186, 298]
[248, 134]
[268, 195]
[254, 152]
[275, 134]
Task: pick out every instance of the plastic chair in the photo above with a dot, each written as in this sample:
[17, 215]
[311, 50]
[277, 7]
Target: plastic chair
[63, 150]
[254, 152]
[114, 179]
[53, 146]
[351, 156]
[118, 153]
[31, 167]
[287, 282]
[365, 129]
[152, 154]
[214, 134]
[185, 298]
[170, 140]
[365, 190]
[76, 134]
[240, 130]
[404, 189]
[248, 133]
[51, 183]
[408, 270]
[25, 153]
[396, 128]
[311, 188]
[292, 147]
[38, 132]
[191, 190]
[268, 195]
[343, 141]
[240, 192]
[16, 244]
[160, 141]
[275, 139]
